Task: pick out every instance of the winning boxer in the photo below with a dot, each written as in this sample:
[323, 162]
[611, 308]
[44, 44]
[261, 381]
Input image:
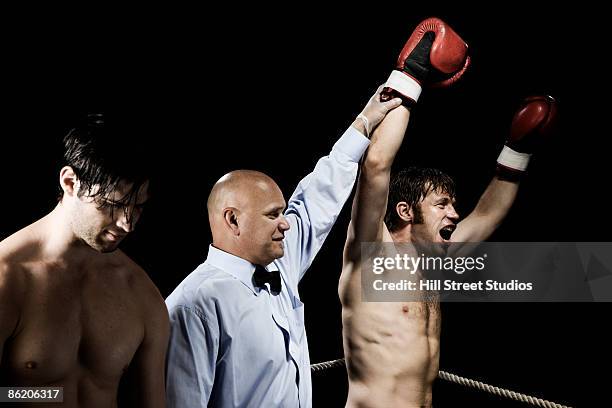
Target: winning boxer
[392, 349]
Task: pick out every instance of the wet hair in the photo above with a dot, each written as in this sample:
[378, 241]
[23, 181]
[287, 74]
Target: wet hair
[412, 186]
[102, 155]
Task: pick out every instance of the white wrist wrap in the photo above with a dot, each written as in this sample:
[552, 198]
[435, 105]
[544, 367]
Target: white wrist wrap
[512, 159]
[404, 84]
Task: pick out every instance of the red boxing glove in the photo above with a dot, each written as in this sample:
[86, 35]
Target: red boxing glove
[531, 124]
[434, 55]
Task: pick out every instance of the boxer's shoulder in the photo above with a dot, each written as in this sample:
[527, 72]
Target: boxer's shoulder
[20, 247]
[13, 266]
[132, 275]
[120, 262]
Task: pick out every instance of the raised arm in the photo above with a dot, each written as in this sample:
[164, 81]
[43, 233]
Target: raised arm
[532, 123]
[433, 55]
[318, 199]
[370, 202]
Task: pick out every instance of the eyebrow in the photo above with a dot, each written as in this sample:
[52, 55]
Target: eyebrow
[445, 200]
[275, 209]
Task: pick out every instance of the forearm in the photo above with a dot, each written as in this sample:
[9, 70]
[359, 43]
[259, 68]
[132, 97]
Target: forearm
[330, 183]
[492, 208]
[9, 312]
[531, 124]
[386, 140]
[370, 202]
[497, 199]
[318, 199]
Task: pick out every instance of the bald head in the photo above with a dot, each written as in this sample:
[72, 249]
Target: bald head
[245, 211]
[238, 189]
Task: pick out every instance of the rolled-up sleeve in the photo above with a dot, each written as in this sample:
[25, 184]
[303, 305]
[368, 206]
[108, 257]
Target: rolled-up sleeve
[318, 199]
[190, 365]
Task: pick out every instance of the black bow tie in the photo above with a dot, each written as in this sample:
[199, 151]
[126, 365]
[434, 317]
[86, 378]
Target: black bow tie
[262, 276]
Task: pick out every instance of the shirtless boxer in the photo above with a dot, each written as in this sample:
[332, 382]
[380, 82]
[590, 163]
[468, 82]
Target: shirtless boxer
[392, 348]
[76, 312]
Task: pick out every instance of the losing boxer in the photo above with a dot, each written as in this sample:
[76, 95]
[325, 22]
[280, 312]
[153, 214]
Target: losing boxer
[75, 311]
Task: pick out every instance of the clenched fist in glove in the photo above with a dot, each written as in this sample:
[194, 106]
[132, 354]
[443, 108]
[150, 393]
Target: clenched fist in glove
[434, 55]
[531, 124]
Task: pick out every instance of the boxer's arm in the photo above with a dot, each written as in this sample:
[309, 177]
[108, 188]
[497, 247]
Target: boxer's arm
[9, 313]
[492, 208]
[370, 202]
[191, 358]
[148, 365]
[531, 125]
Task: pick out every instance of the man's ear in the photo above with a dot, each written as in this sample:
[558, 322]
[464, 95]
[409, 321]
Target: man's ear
[230, 216]
[404, 211]
[68, 181]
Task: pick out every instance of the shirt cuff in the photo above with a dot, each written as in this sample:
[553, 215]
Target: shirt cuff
[352, 143]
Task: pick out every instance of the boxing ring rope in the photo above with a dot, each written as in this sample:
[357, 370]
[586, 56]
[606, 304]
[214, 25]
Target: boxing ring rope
[502, 392]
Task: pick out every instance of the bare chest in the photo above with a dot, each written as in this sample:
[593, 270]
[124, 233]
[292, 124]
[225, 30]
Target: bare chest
[72, 329]
[396, 318]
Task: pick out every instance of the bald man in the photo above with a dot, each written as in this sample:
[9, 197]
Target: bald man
[237, 322]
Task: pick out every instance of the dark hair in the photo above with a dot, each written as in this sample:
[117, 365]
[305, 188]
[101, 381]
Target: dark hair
[412, 185]
[102, 155]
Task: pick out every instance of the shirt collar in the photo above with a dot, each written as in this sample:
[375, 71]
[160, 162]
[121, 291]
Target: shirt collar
[238, 267]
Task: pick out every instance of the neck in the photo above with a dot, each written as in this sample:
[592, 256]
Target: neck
[402, 234]
[232, 248]
[229, 247]
[58, 240]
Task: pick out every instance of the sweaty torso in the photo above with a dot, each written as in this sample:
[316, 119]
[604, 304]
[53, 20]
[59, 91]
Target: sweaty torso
[78, 327]
[392, 348]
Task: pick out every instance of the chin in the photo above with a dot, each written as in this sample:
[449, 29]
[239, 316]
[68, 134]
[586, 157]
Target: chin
[277, 253]
[103, 247]
[106, 250]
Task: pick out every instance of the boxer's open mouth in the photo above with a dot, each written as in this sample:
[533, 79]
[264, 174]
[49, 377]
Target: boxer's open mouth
[447, 231]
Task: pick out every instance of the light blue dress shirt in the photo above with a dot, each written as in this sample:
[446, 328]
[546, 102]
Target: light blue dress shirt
[235, 345]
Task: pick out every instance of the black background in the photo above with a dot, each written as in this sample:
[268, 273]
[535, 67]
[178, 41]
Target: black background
[272, 88]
